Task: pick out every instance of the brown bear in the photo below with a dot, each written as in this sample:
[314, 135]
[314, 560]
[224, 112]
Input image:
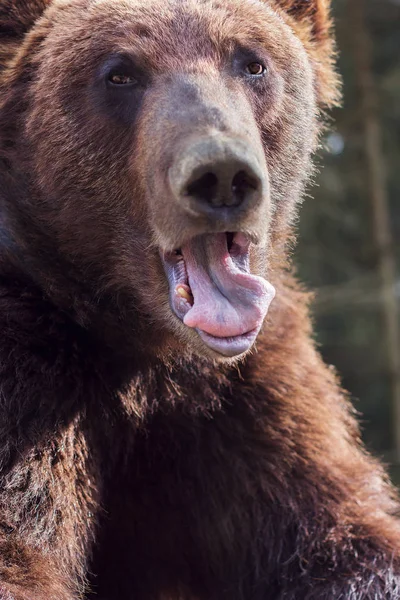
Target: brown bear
[168, 429]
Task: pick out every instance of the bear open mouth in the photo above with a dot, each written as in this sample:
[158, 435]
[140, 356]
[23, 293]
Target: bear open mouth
[213, 291]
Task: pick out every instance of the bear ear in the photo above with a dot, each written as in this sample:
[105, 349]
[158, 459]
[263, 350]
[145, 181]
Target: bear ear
[312, 14]
[16, 19]
[312, 22]
[18, 16]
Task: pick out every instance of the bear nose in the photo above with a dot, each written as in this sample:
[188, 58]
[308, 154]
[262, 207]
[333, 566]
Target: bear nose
[228, 183]
[213, 174]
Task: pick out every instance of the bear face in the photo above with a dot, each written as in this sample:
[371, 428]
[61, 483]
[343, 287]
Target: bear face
[161, 153]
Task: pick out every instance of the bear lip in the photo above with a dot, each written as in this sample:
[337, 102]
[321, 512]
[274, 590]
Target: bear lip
[213, 291]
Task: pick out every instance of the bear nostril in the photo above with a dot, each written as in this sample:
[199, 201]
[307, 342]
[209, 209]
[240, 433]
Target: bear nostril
[242, 185]
[205, 188]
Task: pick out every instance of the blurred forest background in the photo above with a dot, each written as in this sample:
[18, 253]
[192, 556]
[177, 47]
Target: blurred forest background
[349, 249]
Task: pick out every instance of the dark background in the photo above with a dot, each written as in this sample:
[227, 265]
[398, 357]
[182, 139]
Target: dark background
[349, 234]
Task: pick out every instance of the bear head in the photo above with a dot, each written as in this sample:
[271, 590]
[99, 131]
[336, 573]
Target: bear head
[152, 155]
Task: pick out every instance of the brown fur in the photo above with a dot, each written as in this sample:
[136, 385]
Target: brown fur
[133, 464]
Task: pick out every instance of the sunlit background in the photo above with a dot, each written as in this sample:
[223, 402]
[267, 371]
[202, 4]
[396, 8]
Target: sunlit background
[349, 246]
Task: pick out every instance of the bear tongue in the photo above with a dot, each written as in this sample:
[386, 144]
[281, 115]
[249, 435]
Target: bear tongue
[228, 301]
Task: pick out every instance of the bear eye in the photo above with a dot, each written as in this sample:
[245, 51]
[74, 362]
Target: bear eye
[256, 69]
[121, 79]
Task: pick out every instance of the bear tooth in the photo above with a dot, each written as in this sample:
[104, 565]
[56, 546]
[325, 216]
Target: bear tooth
[183, 293]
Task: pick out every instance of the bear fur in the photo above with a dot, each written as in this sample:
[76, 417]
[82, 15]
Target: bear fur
[135, 463]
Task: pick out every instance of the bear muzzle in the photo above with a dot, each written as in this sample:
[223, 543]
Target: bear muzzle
[209, 197]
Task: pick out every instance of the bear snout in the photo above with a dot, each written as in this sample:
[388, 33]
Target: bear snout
[205, 166]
